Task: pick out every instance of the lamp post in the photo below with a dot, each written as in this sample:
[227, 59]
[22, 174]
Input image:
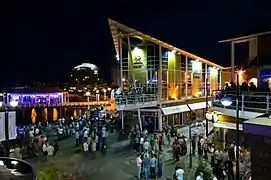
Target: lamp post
[97, 95]
[227, 102]
[206, 110]
[104, 90]
[88, 94]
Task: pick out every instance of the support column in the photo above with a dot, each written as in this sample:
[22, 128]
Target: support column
[220, 79]
[186, 77]
[160, 71]
[160, 120]
[232, 61]
[206, 80]
[121, 64]
[139, 119]
[131, 60]
[122, 120]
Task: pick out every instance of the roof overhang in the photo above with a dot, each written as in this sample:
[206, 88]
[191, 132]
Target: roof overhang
[245, 38]
[116, 27]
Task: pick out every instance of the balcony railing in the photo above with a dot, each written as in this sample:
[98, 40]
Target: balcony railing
[247, 100]
[121, 100]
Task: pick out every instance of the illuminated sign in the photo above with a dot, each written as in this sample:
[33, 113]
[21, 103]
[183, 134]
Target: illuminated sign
[138, 62]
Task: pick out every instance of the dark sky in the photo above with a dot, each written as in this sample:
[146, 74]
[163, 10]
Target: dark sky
[43, 41]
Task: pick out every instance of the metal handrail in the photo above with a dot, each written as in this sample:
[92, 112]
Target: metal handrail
[134, 99]
[59, 104]
[248, 100]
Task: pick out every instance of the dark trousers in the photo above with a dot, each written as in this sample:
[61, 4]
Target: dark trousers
[160, 170]
[231, 175]
[193, 150]
[152, 172]
[160, 146]
[77, 141]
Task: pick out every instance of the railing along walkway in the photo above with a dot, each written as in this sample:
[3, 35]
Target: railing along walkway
[247, 100]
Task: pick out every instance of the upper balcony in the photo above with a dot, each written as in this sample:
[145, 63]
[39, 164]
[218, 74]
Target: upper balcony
[131, 101]
[251, 103]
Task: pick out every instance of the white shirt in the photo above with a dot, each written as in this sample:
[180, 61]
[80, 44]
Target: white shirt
[50, 150]
[37, 131]
[60, 131]
[85, 146]
[141, 140]
[180, 174]
[85, 134]
[146, 145]
[199, 177]
[77, 135]
[103, 132]
[93, 146]
[31, 134]
[44, 147]
[138, 162]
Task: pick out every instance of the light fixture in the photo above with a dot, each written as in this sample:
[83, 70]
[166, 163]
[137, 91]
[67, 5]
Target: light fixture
[14, 103]
[117, 57]
[226, 101]
[209, 115]
[97, 91]
[104, 90]
[88, 93]
[14, 162]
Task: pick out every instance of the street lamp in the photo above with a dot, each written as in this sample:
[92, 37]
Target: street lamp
[13, 103]
[227, 102]
[88, 94]
[104, 90]
[97, 95]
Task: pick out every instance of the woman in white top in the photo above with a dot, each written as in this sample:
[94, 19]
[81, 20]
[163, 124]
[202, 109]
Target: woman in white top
[93, 148]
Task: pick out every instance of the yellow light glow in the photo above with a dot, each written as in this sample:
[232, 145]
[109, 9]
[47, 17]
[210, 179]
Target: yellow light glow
[254, 81]
[55, 114]
[33, 116]
[213, 71]
[196, 66]
[97, 91]
[137, 52]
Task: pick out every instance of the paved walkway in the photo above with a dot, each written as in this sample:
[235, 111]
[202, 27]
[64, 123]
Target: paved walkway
[118, 164]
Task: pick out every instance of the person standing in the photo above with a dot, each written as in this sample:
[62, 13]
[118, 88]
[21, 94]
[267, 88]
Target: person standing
[146, 164]
[139, 166]
[161, 159]
[153, 165]
[85, 147]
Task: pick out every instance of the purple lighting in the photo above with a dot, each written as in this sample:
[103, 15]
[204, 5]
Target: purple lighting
[36, 98]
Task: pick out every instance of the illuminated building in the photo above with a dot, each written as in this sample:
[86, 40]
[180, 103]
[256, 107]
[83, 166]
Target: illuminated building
[84, 75]
[254, 105]
[36, 96]
[172, 82]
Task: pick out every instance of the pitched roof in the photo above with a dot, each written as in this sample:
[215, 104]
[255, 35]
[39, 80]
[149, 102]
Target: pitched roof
[116, 27]
[245, 38]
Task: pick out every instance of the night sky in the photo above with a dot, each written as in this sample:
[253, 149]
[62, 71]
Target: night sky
[43, 41]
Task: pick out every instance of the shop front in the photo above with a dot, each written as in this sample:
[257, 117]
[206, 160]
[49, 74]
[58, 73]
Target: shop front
[181, 114]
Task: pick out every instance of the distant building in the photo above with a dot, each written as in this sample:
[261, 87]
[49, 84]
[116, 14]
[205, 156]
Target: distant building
[31, 96]
[85, 75]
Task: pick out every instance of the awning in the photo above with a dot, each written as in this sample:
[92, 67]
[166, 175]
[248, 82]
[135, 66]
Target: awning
[227, 125]
[232, 113]
[258, 126]
[175, 109]
[200, 105]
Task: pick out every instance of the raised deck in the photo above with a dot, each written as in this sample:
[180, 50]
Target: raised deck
[128, 102]
[251, 104]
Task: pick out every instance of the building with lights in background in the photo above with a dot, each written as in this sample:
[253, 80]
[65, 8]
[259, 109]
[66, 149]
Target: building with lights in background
[84, 76]
[173, 82]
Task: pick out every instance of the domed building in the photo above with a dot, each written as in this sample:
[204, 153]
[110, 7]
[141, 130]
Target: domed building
[85, 74]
